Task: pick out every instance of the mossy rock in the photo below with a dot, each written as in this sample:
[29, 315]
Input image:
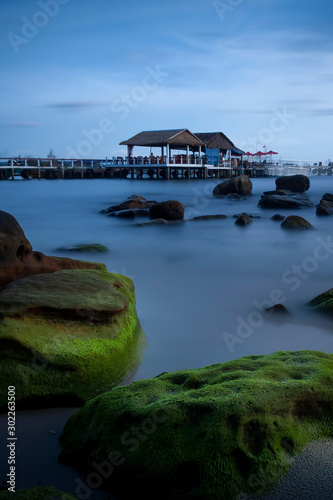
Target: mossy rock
[67, 336]
[296, 222]
[39, 493]
[199, 434]
[86, 247]
[323, 302]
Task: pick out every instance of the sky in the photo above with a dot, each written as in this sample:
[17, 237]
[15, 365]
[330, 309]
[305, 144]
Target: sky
[80, 76]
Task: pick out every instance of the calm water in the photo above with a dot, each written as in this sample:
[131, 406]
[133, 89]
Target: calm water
[194, 281]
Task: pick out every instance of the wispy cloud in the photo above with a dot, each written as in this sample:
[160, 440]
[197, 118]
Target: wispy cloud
[75, 105]
[22, 124]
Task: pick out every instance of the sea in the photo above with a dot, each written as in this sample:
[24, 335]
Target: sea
[202, 287]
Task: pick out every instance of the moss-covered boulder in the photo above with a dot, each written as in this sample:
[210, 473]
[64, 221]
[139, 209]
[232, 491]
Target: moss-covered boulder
[323, 302]
[199, 434]
[296, 222]
[68, 336]
[39, 493]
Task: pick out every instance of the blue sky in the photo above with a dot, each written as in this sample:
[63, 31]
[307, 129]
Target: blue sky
[79, 76]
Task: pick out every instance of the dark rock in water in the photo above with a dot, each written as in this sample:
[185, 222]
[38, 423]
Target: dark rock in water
[131, 213]
[168, 210]
[243, 220]
[86, 247]
[296, 222]
[279, 309]
[38, 493]
[241, 185]
[132, 202]
[292, 200]
[68, 336]
[17, 259]
[278, 217]
[249, 215]
[155, 222]
[206, 430]
[209, 217]
[325, 206]
[295, 183]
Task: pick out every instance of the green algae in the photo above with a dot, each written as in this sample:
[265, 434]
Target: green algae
[203, 433]
[39, 493]
[85, 247]
[60, 359]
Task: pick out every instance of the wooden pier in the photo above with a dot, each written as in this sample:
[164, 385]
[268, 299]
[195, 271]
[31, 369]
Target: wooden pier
[128, 167]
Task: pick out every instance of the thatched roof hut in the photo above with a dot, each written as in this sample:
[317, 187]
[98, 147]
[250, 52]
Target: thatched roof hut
[177, 139]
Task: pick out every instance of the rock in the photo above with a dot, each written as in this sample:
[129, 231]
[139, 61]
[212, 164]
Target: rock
[232, 196]
[132, 202]
[278, 309]
[278, 199]
[249, 215]
[241, 185]
[85, 248]
[209, 217]
[168, 210]
[296, 222]
[323, 302]
[278, 217]
[155, 222]
[245, 417]
[243, 220]
[17, 259]
[38, 493]
[295, 183]
[68, 336]
[325, 206]
[132, 213]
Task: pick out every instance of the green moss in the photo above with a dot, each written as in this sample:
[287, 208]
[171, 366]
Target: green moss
[86, 247]
[323, 302]
[39, 493]
[53, 359]
[204, 433]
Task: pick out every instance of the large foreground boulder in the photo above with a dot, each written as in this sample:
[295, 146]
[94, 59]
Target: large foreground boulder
[323, 302]
[168, 210]
[67, 336]
[131, 203]
[204, 433]
[325, 206]
[17, 259]
[295, 183]
[241, 185]
[284, 199]
[296, 222]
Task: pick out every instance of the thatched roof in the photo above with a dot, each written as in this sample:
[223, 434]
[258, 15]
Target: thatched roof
[215, 140]
[158, 138]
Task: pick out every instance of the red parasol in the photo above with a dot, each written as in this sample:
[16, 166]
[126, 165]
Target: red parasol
[272, 153]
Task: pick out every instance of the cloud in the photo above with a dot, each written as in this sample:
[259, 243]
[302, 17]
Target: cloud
[22, 124]
[75, 105]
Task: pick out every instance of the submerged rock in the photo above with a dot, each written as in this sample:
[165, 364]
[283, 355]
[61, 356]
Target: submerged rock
[209, 217]
[132, 202]
[38, 493]
[295, 183]
[296, 222]
[205, 431]
[325, 206]
[17, 259]
[168, 210]
[85, 247]
[68, 336]
[283, 199]
[243, 220]
[278, 217]
[155, 222]
[240, 185]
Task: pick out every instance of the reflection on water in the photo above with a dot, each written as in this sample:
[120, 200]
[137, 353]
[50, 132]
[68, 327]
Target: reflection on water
[195, 281]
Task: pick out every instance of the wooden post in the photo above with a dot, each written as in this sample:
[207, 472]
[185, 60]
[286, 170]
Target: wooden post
[158, 173]
[62, 172]
[13, 174]
[168, 173]
[187, 154]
